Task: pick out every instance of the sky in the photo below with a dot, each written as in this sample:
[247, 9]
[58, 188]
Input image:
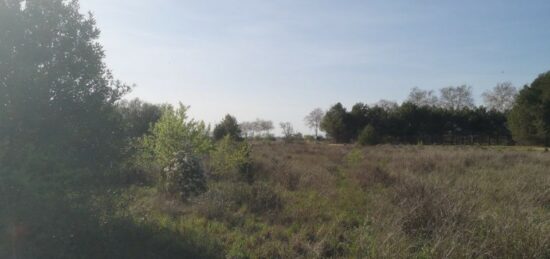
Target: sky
[280, 59]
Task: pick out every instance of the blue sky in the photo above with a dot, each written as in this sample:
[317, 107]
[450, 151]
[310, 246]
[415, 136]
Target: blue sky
[280, 59]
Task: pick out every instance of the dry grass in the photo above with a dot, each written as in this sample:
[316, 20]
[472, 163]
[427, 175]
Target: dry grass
[318, 201]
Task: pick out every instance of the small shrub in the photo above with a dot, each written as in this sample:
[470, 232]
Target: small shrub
[183, 177]
[231, 159]
[354, 158]
[172, 133]
[369, 136]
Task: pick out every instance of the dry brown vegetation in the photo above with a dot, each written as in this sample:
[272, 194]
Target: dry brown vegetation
[317, 200]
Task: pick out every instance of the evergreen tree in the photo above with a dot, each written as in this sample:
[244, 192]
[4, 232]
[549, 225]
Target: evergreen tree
[529, 119]
[227, 127]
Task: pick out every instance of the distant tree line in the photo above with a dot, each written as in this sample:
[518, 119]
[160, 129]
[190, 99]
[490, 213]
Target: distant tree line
[450, 118]
[507, 117]
[413, 124]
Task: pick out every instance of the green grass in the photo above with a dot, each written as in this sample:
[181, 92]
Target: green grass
[315, 200]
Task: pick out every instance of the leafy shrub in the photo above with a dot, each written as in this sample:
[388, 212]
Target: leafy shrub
[183, 177]
[175, 132]
[231, 159]
[368, 136]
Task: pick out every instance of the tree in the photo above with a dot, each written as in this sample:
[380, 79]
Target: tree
[529, 119]
[56, 93]
[387, 105]
[266, 126]
[60, 134]
[501, 98]
[336, 123]
[421, 98]
[138, 116]
[227, 127]
[313, 120]
[288, 130]
[247, 129]
[456, 98]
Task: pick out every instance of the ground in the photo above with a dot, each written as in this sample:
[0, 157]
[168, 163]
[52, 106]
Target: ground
[318, 200]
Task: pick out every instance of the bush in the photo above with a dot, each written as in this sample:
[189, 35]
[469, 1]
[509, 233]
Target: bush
[175, 132]
[368, 136]
[184, 177]
[231, 159]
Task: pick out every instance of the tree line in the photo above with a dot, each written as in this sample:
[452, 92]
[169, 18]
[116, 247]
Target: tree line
[425, 118]
[507, 117]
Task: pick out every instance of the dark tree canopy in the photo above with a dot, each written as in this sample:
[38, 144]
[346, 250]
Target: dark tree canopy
[368, 136]
[227, 127]
[55, 91]
[529, 119]
[409, 123]
[138, 117]
[59, 130]
[336, 124]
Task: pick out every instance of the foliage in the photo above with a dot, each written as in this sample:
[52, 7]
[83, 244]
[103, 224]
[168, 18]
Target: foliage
[231, 159]
[288, 130]
[529, 120]
[63, 132]
[227, 127]
[257, 129]
[183, 177]
[175, 132]
[56, 93]
[138, 117]
[422, 98]
[501, 98]
[313, 120]
[456, 98]
[60, 143]
[368, 136]
[336, 124]
[409, 123]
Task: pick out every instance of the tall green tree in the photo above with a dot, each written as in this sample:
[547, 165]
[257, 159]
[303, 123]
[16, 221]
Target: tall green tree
[227, 127]
[138, 117]
[56, 93]
[529, 119]
[59, 132]
[336, 124]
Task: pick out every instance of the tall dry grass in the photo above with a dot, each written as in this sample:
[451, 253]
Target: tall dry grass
[324, 201]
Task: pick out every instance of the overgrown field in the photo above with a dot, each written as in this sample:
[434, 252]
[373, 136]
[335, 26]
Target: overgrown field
[319, 200]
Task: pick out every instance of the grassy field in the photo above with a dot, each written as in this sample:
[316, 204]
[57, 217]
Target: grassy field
[318, 201]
